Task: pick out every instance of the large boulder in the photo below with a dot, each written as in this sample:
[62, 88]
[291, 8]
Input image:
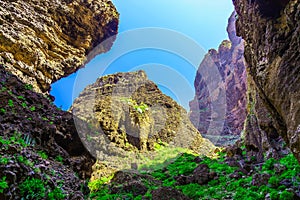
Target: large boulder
[271, 30]
[42, 41]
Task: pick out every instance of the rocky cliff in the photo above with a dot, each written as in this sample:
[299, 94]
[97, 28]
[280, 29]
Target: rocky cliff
[129, 112]
[271, 31]
[38, 143]
[43, 41]
[229, 60]
[42, 156]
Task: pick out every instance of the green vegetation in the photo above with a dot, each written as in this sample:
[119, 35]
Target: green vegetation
[43, 155]
[3, 184]
[2, 110]
[97, 184]
[32, 108]
[56, 194]
[223, 186]
[10, 103]
[33, 188]
[24, 105]
[138, 107]
[28, 87]
[59, 158]
[17, 139]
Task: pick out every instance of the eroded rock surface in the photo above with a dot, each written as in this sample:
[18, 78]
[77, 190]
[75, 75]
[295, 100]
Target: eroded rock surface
[272, 56]
[231, 86]
[42, 41]
[128, 111]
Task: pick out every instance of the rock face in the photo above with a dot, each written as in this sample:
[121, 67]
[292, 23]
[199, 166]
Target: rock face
[33, 125]
[229, 61]
[133, 114]
[42, 41]
[272, 56]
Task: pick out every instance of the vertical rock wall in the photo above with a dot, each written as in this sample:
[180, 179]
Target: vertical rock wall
[230, 63]
[271, 30]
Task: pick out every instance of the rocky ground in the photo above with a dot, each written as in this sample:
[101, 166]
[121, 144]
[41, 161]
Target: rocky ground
[234, 175]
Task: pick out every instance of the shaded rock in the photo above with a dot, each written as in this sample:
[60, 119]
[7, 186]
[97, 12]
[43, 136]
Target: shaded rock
[279, 168]
[184, 180]
[235, 175]
[271, 53]
[135, 187]
[234, 150]
[232, 162]
[130, 181]
[31, 117]
[260, 179]
[166, 193]
[43, 41]
[286, 183]
[218, 110]
[202, 174]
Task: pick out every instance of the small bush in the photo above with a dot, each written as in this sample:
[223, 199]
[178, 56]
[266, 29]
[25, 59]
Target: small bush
[285, 195]
[56, 194]
[3, 184]
[32, 188]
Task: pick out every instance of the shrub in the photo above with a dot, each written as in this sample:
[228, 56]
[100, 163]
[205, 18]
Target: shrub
[3, 184]
[56, 194]
[32, 188]
[285, 195]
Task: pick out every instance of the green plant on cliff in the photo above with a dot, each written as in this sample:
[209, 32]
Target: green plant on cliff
[32, 188]
[3, 184]
[56, 194]
[138, 107]
[28, 86]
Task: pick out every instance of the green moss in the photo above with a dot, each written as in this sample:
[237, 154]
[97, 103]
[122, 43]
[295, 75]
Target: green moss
[285, 195]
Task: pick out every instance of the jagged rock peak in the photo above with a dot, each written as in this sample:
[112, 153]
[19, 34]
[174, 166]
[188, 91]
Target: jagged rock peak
[228, 82]
[45, 40]
[130, 112]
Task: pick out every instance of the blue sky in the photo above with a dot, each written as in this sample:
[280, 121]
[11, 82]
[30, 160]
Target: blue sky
[193, 21]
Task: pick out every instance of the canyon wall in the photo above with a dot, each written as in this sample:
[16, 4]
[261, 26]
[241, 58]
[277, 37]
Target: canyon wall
[43, 41]
[271, 30]
[229, 60]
